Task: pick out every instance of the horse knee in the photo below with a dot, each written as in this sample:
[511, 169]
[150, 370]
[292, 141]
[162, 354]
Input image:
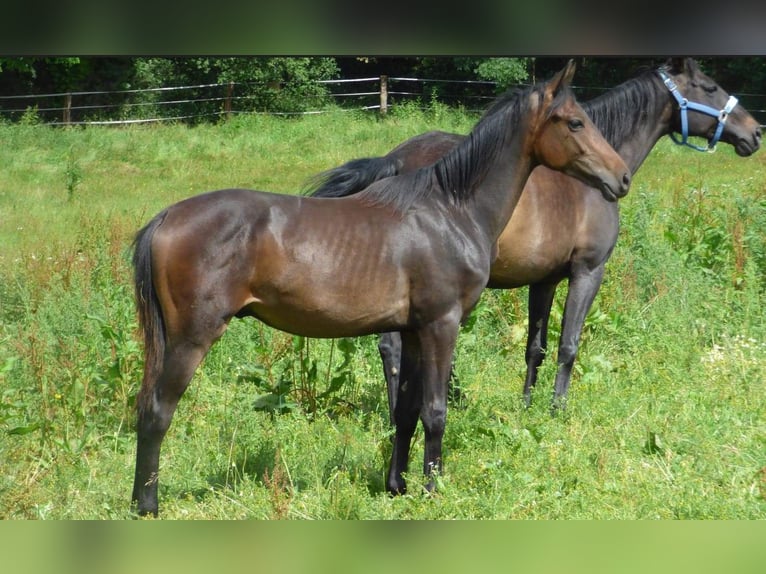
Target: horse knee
[158, 404]
[535, 354]
[434, 420]
[154, 419]
[390, 347]
[159, 400]
[567, 353]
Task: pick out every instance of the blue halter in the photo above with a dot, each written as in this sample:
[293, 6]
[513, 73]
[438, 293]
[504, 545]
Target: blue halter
[686, 105]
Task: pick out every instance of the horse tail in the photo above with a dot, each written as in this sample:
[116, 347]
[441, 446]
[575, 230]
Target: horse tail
[149, 311]
[352, 177]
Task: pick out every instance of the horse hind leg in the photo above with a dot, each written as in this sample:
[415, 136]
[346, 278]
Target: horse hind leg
[390, 349]
[583, 287]
[540, 302]
[155, 413]
[406, 407]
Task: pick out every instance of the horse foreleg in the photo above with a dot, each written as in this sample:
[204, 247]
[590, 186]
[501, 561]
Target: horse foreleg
[437, 349]
[425, 370]
[540, 301]
[390, 348]
[583, 287]
[154, 417]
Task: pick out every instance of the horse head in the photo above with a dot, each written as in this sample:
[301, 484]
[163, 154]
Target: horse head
[706, 110]
[566, 139]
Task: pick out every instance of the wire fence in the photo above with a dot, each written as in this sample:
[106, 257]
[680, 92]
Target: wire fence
[211, 101]
[206, 102]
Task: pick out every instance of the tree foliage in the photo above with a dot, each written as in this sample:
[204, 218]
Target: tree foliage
[504, 71]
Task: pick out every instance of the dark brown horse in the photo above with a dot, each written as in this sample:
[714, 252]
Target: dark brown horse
[410, 254]
[561, 228]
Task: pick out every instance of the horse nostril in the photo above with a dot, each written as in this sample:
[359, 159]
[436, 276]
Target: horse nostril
[626, 180]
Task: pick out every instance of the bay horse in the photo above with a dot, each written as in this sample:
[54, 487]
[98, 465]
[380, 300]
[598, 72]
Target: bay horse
[560, 228]
[411, 254]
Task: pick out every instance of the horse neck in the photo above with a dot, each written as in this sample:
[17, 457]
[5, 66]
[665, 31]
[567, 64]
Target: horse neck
[633, 117]
[496, 195]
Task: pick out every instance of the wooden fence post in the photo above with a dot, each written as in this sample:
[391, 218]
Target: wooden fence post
[227, 102]
[67, 116]
[383, 95]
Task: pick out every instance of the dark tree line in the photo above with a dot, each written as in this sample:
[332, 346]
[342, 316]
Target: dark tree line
[289, 83]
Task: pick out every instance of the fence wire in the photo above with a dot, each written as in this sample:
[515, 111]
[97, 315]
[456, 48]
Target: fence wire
[149, 105]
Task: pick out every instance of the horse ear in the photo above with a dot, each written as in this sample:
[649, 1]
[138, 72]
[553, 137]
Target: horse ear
[563, 78]
[691, 66]
[681, 65]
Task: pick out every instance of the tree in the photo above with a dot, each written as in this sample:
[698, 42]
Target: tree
[278, 84]
[505, 71]
[263, 84]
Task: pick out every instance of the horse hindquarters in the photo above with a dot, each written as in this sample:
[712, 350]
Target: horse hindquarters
[176, 336]
[189, 338]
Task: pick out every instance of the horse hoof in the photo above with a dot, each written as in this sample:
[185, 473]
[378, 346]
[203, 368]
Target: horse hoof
[397, 487]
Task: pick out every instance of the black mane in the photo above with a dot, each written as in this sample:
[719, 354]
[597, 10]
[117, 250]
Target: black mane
[620, 112]
[455, 176]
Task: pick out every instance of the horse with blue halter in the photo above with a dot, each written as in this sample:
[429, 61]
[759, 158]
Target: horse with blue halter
[562, 228]
[411, 254]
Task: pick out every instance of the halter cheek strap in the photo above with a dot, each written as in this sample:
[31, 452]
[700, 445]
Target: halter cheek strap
[685, 105]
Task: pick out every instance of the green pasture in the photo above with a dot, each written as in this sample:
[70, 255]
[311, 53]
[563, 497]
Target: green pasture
[666, 411]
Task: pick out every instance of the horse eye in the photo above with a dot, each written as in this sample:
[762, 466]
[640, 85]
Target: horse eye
[575, 124]
[709, 88]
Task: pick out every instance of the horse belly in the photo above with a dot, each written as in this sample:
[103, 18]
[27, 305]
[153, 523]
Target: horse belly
[322, 291]
[512, 272]
[524, 258]
[338, 320]
[316, 311]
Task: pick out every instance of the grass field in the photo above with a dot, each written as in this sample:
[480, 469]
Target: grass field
[666, 410]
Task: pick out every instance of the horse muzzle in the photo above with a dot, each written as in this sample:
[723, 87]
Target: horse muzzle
[612, 191]
[748, 146]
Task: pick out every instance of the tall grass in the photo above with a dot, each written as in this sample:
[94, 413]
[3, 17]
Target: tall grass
[665, 416]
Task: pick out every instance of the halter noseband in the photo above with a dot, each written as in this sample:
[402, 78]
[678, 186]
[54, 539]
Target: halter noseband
[685, 105]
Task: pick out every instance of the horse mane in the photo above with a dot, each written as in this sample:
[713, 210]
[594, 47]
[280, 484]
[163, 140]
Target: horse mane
[456, 175]
[620, 112]
[350, 177]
